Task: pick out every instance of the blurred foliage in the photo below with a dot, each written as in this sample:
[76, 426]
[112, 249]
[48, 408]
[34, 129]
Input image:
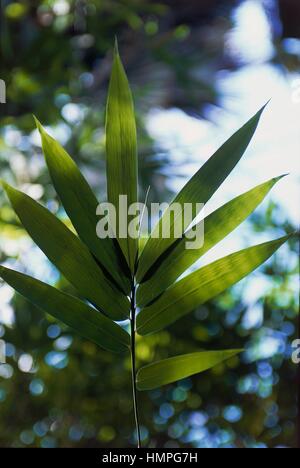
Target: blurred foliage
[59, 390]
[65, 391]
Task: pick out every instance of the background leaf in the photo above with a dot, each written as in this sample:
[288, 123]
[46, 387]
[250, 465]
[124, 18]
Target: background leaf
[85, 320]
[179, 367]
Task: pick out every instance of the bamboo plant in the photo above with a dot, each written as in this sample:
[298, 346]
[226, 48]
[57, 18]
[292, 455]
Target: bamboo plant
[114, 278]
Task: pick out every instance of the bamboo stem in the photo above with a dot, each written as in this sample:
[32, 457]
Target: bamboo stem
[133, 366]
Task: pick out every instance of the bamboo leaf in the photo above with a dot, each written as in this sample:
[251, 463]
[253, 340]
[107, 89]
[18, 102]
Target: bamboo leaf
[216, 226]
[85, 320]
[121, 152]
[68, 254]
[202, 285]
[199, 189]
[180, 367]
[80, 204]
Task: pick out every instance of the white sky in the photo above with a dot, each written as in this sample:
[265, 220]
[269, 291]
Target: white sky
[275, 148]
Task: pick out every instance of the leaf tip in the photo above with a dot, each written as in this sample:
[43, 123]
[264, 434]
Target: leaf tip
[292, 234]
[238, 351]
[10, 191]
[4, 185]
[268, 101]
[278, 178]
[261, 110]
[116, 46]
[281, 240]
[38, 124]
[282, 175]
[3, 269]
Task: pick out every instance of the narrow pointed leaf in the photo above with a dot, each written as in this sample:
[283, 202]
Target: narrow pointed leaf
[202, 285]
[180, 367]
[199, 189]
[121, 152]
[216, 226]
[68, 254]
[85, 320]
[80, 204]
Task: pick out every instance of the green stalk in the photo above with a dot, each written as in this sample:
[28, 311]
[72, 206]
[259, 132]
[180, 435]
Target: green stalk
[133, 365]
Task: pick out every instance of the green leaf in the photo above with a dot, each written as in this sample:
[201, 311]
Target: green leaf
[202, 285]
[80, 204]
[121, 152]
[199, 189]
[85, 320]
[180, 367]
[217, 226]
[68, 254]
